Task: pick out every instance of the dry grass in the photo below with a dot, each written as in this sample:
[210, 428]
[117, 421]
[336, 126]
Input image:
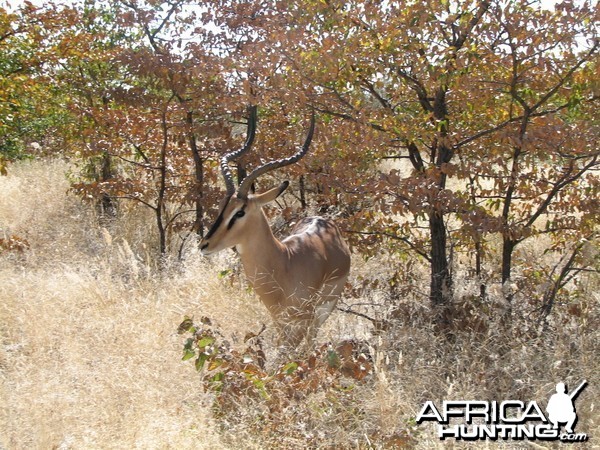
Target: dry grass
[90, 357]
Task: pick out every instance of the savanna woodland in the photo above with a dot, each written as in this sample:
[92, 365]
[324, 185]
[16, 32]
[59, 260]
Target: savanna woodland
[456, 147]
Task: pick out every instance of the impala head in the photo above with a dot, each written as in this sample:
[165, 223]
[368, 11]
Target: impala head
[241, 209]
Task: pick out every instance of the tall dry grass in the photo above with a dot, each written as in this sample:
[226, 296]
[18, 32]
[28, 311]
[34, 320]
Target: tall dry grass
[90, 357]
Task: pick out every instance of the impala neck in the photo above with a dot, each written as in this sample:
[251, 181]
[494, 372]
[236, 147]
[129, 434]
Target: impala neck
[260, 252]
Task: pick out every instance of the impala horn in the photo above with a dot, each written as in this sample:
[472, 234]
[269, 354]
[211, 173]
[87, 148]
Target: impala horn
[272, 165]
[250, 133]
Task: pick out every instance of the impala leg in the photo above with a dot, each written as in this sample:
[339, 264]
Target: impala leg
[329, 297]
[296, 324]
[322, 312]
[291, 334]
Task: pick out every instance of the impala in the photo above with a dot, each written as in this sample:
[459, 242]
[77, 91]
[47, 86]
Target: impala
[298, 279]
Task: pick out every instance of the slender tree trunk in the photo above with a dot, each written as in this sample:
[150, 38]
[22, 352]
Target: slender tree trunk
[559, 282]
[508, 241]
[241, 173]
[162, 234]
[107, 206]
[508, 247]
[303, 202]
[441, 278]
[441, 281]
[198, 226]
[479, 267]
[440, 292]
[160, 201]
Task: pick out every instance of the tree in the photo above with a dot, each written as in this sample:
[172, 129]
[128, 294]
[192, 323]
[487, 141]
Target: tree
[550, 141]
[150, 110]
[454, 87]
[32, 110]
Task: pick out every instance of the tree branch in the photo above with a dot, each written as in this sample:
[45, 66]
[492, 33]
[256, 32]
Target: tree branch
[412, 246]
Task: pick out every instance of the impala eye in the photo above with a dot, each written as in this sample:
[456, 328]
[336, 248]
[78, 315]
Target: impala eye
[237, 215]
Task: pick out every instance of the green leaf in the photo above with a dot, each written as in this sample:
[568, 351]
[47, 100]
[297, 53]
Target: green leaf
[216, 382]
[202, 358]
[215, 364]
[205, 341]
[188, 354]
[186, 325]
[290, 368]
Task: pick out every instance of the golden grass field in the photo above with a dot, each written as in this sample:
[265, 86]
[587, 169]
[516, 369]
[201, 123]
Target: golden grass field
[90, 357]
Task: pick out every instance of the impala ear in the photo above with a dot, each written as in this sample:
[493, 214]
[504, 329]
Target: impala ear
[271, 194]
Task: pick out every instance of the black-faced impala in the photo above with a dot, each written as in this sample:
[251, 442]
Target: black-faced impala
[298, 279]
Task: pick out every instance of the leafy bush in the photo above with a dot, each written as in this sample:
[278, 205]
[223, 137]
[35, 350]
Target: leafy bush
[295, 398]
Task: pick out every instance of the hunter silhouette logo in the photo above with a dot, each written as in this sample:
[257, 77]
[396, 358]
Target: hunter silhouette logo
[508, 419]
[561, 409]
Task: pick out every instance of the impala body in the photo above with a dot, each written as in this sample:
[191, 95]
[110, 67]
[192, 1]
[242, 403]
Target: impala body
[298, 279]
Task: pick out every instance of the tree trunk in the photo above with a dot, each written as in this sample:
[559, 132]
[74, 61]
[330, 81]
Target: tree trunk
[507, 250]
[106, 206]
[303, 202]
[508, 243]
[198, 226]
[441, 282]
[479, 268]
[160, 201]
